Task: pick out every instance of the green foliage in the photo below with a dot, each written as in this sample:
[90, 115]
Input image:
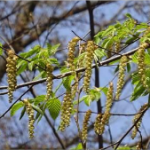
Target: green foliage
[54, 107]
[38, 57]
[124, 148]
[15, 108]
[79, 146]
[1, 50]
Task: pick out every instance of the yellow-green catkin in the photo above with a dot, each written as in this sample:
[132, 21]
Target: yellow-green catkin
[82, 48]
[117, 46]
[30, 113]
[85, 126]
[49, 80]
[74, 87]
[109, 51]
[109, 97]
[88, 64]
[120, 82]
[109, 101]
[141, 64]
[97, 124]
[71, 53]
[11, 70]
[138, 124]
[66, 111]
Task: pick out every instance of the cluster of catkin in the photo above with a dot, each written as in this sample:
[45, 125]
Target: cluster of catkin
[71, 53]
[85, 126]
[11, 70]
[77, 76]
[88, 64]
[30, 113]
[117, 46]
[66, 111]
[120, 82]
[49, 80]
[102, 120]
[141, 64]
[138, 124]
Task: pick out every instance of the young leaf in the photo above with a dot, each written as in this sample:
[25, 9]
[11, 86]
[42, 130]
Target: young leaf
[52, 49]
[67, 82]
[88, 100]
[16, 107]
[38, 99]
[1, 51]
[22, 113]
[54, 106]
[36, 108]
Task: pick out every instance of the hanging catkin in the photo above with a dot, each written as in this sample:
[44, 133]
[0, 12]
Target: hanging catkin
[66, 111]
[85, 126]
[138, 124]
[88, 64]
[71, 55]
[49, 80]
[109, 97]
[120, 82]
[117, 46]
[30, 113]
[97, 124]
[11, 70]
[102, 120]
[141, 64]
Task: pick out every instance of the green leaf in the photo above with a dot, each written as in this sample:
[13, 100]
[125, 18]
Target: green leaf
[129, 16]
[138, 92]
[52, 49]
[88, 100]
[80, 100]
[22, 67]
[38, 99]
[1, 50]
[53, 61]
[134, 57]
[36, 108]
[124, 148]
[95, 94]
[99, 53]
[67, 82]
[16, 107]
[79, 146]
[31, 65]
[54, 106]
[39, 75]
[22, 113]
[31, 52]
[128, 67]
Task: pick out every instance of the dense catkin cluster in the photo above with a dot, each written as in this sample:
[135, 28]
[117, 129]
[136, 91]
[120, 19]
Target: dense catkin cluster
[109, 51]
[117, 46]
[102, 120]
[88, 64]
[74, 87]
[11, 70]
[120, 82]
[30, 113]
[49, 80]
[97, 124]
[109, 97]
[85, 126]
[136, 117]
[66, 111]
[71, 55]
[141, 64]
